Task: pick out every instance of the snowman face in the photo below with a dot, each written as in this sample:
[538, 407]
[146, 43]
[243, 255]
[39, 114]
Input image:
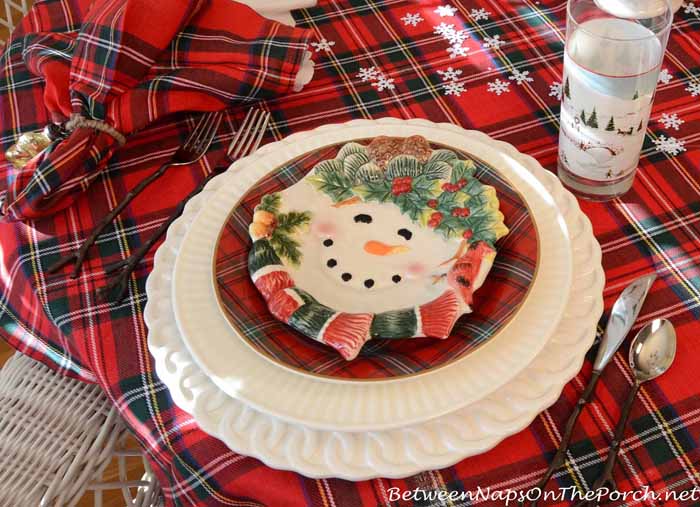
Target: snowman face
[370, 247]
[364, 256]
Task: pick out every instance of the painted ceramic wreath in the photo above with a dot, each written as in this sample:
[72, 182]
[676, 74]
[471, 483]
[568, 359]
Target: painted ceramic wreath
[386, 240]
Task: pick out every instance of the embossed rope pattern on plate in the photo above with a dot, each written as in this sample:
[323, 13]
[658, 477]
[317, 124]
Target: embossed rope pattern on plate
[495, 302]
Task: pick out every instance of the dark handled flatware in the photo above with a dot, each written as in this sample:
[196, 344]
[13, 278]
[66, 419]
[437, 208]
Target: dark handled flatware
[194, 148]
[624, 313]
[245, 142]
[651, 354]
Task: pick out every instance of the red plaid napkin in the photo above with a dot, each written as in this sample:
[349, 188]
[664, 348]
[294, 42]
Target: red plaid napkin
[129, 63]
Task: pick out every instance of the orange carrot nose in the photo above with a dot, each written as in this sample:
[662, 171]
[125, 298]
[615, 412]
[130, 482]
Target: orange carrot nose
[379, 248]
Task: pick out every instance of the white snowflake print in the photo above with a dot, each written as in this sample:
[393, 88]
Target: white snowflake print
[445, 11]
[384, 83]
[479, 14]
[456, 37]
[555, 90]
[450, 74]
[454, 88]
[692, 9]
[521, 76]
[493, 42]
[669, 145]
[498, 87]
[665, 76]
[378, 80]
[412, 19]
[694, 88]
[444, 29]
[456, 51]
[323, 45]
[368, 74]
[671, 121]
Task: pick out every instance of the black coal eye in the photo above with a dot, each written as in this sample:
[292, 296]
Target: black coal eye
[396, 278]
[346, 277]
[405, 233]
[362, 218]
[369, 283]
[331, 263]
[328, 242]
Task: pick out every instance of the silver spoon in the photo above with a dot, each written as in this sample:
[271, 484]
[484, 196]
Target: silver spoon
[651, 354]
[622, 317]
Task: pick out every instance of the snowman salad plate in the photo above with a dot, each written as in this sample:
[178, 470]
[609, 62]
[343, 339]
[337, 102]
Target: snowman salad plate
[388, 239]
[217, 320]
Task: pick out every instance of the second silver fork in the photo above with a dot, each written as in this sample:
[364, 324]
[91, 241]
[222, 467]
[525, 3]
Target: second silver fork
[246, 140]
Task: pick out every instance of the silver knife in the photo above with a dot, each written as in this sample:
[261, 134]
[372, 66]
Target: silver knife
[622, 317]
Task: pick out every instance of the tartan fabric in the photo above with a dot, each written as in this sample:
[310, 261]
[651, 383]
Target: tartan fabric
[114, 67]
[495, 302]
[654, 228]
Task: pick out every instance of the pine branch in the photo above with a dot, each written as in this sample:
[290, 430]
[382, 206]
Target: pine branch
[286, 247]
[289, 222]
[270, 203]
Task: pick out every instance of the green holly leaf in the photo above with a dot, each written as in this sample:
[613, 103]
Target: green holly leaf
[447, 200]
[462, 169]
[450, 227]
[481, 224]
[426, 185]
[333, 184]
[410, 204]
[378, 191]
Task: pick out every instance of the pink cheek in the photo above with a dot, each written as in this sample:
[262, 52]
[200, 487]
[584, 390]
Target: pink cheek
[323, 229]
[416, 270]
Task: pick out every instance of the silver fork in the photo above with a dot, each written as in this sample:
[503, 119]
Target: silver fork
[245, 142]
[194, 148]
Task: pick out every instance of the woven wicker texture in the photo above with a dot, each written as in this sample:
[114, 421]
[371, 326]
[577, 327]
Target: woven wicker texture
[10, 12]
[57, 437]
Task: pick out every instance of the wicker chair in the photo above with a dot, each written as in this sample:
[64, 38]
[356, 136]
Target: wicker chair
[58, 436]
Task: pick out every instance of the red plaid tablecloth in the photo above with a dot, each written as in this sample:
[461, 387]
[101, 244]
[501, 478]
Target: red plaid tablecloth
[390, 58]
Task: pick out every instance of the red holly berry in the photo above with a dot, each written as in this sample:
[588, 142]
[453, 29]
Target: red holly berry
[461, 212]
[449, 187]
[401, 185]
[461, 183]
[432, 203]
[468, 234]
[435, 219]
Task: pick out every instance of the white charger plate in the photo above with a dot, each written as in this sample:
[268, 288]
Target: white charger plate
[347, 405]
[394, 453]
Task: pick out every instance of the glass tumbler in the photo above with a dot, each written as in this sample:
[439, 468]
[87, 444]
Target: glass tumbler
[614, 50]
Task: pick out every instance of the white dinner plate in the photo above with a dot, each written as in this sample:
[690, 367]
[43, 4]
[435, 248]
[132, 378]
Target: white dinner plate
[345, 405]
[393, 453]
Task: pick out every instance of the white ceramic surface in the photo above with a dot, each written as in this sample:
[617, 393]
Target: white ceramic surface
[395, 453]
[348, 405]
